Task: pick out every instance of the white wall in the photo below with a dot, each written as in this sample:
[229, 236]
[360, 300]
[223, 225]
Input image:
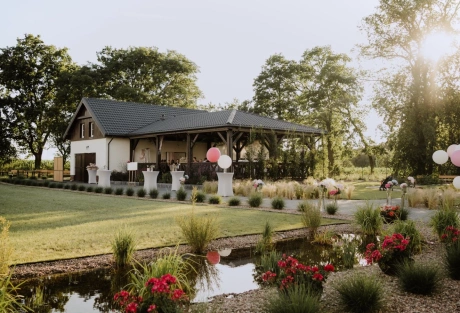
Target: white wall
[98, 146]
[118, 153]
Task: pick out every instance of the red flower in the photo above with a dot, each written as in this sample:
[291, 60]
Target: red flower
[151, 308]
[329, 268]
[317, 276]
[177, 294]
[131, 308]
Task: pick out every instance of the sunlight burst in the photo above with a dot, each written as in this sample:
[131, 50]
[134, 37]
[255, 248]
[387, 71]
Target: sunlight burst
[437, 45]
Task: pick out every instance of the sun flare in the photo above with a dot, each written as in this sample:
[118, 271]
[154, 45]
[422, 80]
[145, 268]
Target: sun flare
[437, 44]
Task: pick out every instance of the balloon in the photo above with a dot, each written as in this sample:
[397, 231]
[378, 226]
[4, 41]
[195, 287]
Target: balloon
[213, 257]
[456, 182]
[451, 149]
[213, 154]
[225, 252]
[224, 161]
[440, 157]
[455, 158]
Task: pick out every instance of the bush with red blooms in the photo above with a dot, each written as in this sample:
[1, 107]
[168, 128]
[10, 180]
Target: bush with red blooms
[392, 252]
[390, 213]
[163, 297]
[450, 235]
[292, 272]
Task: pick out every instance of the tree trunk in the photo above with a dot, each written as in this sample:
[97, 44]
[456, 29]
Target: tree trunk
[38, 159]
[330, 156]
[371, 163]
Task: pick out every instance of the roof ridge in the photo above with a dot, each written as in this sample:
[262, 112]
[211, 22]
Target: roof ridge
[231, 116]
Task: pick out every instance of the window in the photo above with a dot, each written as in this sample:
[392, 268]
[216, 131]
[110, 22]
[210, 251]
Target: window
[82, 130]
[91, 129]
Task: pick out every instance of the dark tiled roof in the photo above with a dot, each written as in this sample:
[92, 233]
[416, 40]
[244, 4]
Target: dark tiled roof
[118, 118]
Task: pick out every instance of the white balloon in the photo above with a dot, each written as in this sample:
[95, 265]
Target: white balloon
[451, 149]
[225, 252]
[440, 157]
[456, 182]
[224, 161]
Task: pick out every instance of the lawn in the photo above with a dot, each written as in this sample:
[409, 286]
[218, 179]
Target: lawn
[50, 224]
[370, 191]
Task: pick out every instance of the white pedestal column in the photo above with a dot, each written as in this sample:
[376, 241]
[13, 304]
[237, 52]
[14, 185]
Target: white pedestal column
[104, 178]
[176, 175]
[150, 180]
[225, 184]
[92, 176]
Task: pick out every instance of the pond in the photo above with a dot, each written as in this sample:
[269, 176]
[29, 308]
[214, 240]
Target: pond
[227, 272]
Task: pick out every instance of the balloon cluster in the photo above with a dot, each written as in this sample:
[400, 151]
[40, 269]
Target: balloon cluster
[453, 152]
[213, 155]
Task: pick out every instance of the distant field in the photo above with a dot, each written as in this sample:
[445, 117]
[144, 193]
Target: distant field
[48, 224]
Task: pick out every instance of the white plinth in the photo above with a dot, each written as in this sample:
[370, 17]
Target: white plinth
[225, 184]
[150, 180]
[92, 176]
[176, 175]
[104, 178]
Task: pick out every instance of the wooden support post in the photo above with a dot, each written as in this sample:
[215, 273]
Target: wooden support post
[230, 146]
[159, 141]
[189, 155]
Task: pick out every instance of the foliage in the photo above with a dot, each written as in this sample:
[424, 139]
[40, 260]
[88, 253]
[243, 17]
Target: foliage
[368, 219]
[452, 260]
[200, 197]
[28, 75]
[10, 300]
[323, 238]
[408, 229]
[123, 247]
[153, 193]
[119, 191]
[216, 199]
[311, 217]
[5, 248]
[444, 218]
[129, 191]
[393, 251]
[198, 231]
[332, 208]
[7, 149]
[265, 243]
[431, 198]
[297, 299]
[74, 187]
[141, 192]
[181, 194]
[391, 213]
[360, 293]
[419, 278]
[98, 190]
[108, 190]
[255, 199]
[278, 203]
[166, 195]
[234, 201]
[80, 187]
[268, 262]
[89, 189]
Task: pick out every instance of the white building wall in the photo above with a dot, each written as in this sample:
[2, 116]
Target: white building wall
[118, 154]
[98, 146]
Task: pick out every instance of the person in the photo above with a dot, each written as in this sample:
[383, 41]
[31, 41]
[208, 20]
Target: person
[205, 160]
[195, 160]
[177, 164]
[172, 166]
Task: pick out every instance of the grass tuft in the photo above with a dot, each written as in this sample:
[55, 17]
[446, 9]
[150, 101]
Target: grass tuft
[181, 194]
[452, 260]
[278, 203]
[234, 201]
[153, 193]
[443, 218]
[129, 192]
[369, 219]
[200, 197]
[119, 191]
[199, 231]
[123, 247]
[418, 278]
[255, 200]
[311, 216]
[216, 199]
[332, 208]
[266, 241]
[141, 193]
[296, 299]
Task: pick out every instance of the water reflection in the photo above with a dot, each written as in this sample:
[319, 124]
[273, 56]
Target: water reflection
[93, 291]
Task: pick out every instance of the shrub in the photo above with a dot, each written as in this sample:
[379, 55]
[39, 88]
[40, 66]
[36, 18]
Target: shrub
[278, 203]
[141, 193]
[311, 217]
[89, 189]
[418, 278]
[166, 195]
[108, 191]
[448, 198]
[443, 218]
[81, 187]
[199, 231]
[98, 190]
[33, 177]
[368, 219]
[66, 186]
[452, 260]
[123, 247]
[119, 191]
[255, 200]
[200, 197]
[74, 187]
[46, 183]
[268, 262]
[332, 208]
[60, 185]
[129, 192]
[265, 242]
[216, 199]
[296, 299]
[52, 185]
[181, 194]
[360, 294]
[153, 193]
[234, 201]
[408, 229]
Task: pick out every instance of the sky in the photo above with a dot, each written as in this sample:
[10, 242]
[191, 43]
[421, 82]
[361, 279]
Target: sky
[228, 40]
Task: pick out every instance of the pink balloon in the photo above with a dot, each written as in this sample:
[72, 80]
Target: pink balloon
[451, 149]
[213, 154]
[455, 158]
[213, 257]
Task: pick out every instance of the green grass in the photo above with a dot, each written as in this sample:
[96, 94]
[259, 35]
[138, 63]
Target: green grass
[370, 191]
[48, 224]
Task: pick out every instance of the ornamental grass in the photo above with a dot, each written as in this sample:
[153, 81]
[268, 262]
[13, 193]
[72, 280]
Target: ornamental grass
[414, 197]
[423, 279]
[296, 299]
[166, 195]
[123, 247]
[10, 300]
[265, 243]
[129, 192]
[444, 218]
[368, 219]
[234, 201]
[360, 293]
[6, 249]
[181, 194]
[119, 191]
[409, 229]
[141, 193]
[278, 203]
[153, 193]
[210, 187]
[215, 199]
[332, 208]
[255, 200]
[198, 231]
[200, 196]
[311, 216]
[431, 198]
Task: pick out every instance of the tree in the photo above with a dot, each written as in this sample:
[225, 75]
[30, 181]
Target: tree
[7, 149]
[28, 75]
[407, 93]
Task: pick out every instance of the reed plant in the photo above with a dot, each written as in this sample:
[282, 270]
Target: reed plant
[431, 198]
[123, 247]
[348, 190]
[181, 194]
[10, 299]
[311, 216]
[369, 219]
[419, 278]
[408, 229]
[210, 186]
[278, 203]
[360, 294]
[448, 198]
[269, 262]
[119, 191]
[255, 200]
[234, 201]
[153, 193]
[349, 254]
[414, 197]
[198, 231]
[295, 299]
